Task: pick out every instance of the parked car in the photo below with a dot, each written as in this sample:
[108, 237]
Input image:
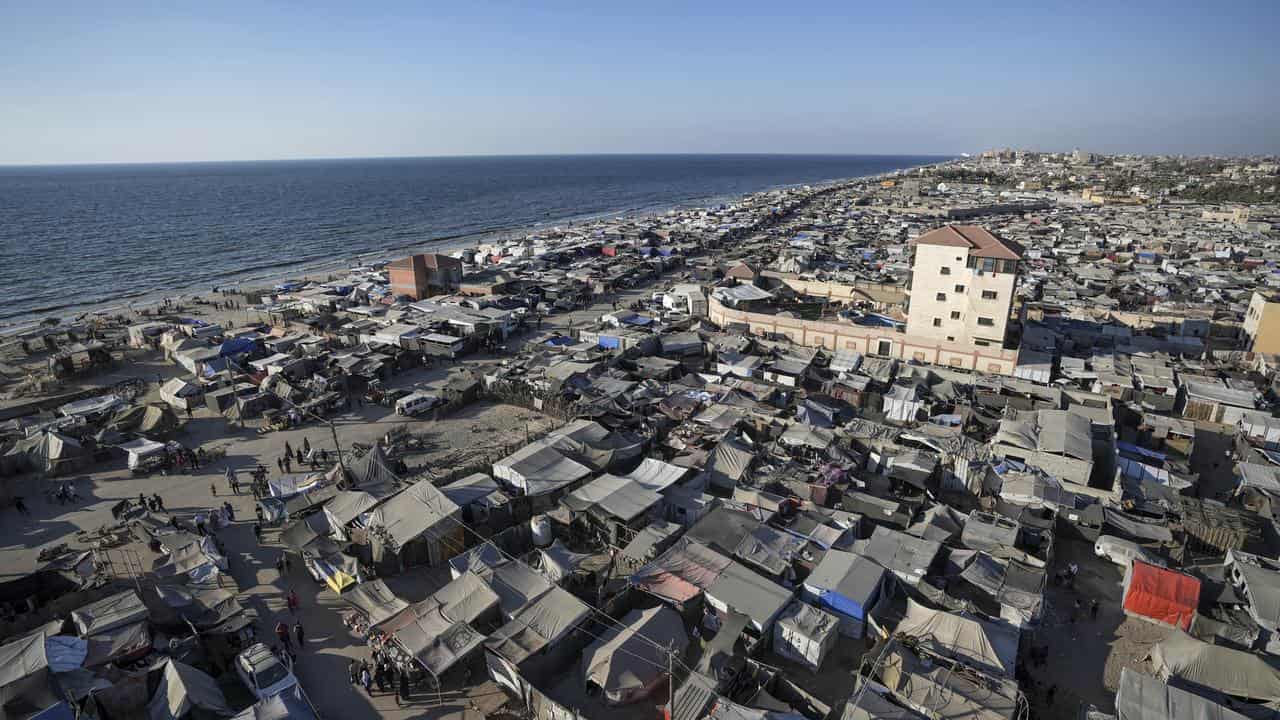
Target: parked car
[417, 403]
[263, 673]
[1123, 552]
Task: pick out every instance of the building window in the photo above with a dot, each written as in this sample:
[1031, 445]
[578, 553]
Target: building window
[941, 297]
[986, 322]
[951, 338]
[959, 288]
[955, 314]
[990, 294]
[946, 270]
[981, 343]
[937, 322]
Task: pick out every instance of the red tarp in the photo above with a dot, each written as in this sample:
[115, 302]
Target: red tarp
[1161, 595]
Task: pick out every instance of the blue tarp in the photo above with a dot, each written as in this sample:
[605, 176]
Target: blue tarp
[842, 604]
[877, 321]
[560, 341]
[634, 319]
[1131, 449]
[61, 711]
[215, 366]
[236, 346]
[289, 286]
[610, 343]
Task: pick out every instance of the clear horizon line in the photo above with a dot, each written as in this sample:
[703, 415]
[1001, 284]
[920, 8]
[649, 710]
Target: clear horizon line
[328, 158]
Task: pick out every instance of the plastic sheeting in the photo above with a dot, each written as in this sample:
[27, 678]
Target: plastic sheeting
[376, 601]
[539, 625]
[1142, 697]
[845, 583]
[108, 613]
[414, 511]
[1162, 595]
[183, 688]
[623, 662]
[988, 646]
[1233, 672]
[682, 572]
[740, 589]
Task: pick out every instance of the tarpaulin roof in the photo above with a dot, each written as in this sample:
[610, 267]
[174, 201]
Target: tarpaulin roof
[1142, 697]
[466, 598]
[620, 497]
[22, 658]
[657, 475]
[1013, 584]
[415, 510]
[183, 688]
[538, 468]
[371, 470]
[436, 641]
[871, 705]
[988, 646]
[769, 549]
[469, 489]
[1060, 432]
[626, 658]
[110, 612]
[1135, 528]
[907, 557]
[108, 645]
[729, 462]
[1261, 580]
[538, 625]
[517, 586]
[989, 532]
[1163, 595]
[349, 505]
[719, 656]
[741, 589]
[1233, 672]
[682, 572]
[845, 582]
[948, 694]
[559, 562]
[375, 600]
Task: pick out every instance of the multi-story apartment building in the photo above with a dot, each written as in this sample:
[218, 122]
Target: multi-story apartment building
[962, 285]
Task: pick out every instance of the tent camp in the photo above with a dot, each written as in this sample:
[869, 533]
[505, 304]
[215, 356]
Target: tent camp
[1231, 672]
[905, 556]
[1160, 595]
[181, 394]
[624, 663]
[184, 688]
[1142, 697]
[154, 419]
[375, 600]
[681, 573]
[538, 627]
[48, 452]
[847, 586]
[988, 646]
[539, 469]
[26, 681]
[805, 634]
[871, 705]
[419, 524]
[111, 612]
[741, 589]
[371, 470]
[139, 449]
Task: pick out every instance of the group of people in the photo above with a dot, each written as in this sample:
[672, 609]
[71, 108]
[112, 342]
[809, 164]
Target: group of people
[286, 638]
[381, 672]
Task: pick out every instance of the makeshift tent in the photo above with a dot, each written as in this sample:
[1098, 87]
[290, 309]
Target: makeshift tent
[681, 573]
[1161, 595]
[121, 642]
[805, 634]
[935, 686]
[657, 475]
[871, 705]
[846, 585]
[370, 470]
[538, 469]
[181, 394]
[183, 688]
[158, 420]
[538, 626]
[625, 663]
[437, 642]
[25, 677]
[1232, 672]
[348, 505]
[1142, 697]
[111, 612]
[619, 497]
[375, 600]
[905, 556]
[740, 589]
[516, 585]
[559, 562]
[48, 452]
[1016, 586]
[722, 657]
[988, 646]
[729, 463]
[419, 511]
[140, 448]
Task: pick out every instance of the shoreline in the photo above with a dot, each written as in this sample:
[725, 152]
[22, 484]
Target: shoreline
[252, 278]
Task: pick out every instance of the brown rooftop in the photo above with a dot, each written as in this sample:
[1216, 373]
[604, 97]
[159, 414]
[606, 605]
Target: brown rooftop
[977, 240]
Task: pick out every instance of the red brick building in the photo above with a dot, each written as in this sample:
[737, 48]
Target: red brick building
[421, 276]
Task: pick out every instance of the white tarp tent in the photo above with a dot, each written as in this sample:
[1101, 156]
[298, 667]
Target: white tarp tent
[805, 634]
[987, 646]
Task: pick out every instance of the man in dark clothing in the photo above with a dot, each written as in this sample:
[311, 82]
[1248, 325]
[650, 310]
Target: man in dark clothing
[282, 632]
[1093, 609]
[257, 532]
[297, 631]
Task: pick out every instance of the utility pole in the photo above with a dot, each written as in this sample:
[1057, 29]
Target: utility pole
[671, 678]
[338, 446]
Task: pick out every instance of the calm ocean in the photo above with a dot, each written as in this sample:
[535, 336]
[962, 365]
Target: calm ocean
[77, 237]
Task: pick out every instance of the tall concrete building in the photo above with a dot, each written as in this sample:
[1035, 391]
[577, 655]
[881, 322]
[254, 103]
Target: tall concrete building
[421, 276]
[1262, 323]
[962, 284]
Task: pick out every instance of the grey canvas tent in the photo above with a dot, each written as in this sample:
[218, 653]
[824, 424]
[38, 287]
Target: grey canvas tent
[538, 626]
[183, 688]
[871, 705]
[111, 612]
[375, 600]
[48, 452]
[1228, 671]
[420, 512]
[740, 589]
[847, 586]
[624, 662]
[988, 646]
[905, 556]
[1142, 697]
[26, 681]
[371, 469]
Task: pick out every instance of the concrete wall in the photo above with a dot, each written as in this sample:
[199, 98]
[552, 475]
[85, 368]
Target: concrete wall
[1262, 325]
[869, 340]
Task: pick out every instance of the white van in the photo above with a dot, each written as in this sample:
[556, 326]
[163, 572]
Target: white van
[1123, 552]
[416, 403]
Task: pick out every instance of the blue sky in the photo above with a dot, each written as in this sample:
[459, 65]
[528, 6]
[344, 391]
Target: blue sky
[122, 81]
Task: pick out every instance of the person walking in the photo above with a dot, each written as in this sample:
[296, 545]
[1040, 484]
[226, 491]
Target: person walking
[159, 502]
[402, 696]
[282, 632]
[287, 450]
[280, 464]
[306, 446]
[21, 506]
[232, 482]
[298, 632]
[230, 511]
[1093, 609]
[366, 681]
[213, 490]
[353, 671]
[257, 532]
[292, 601]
